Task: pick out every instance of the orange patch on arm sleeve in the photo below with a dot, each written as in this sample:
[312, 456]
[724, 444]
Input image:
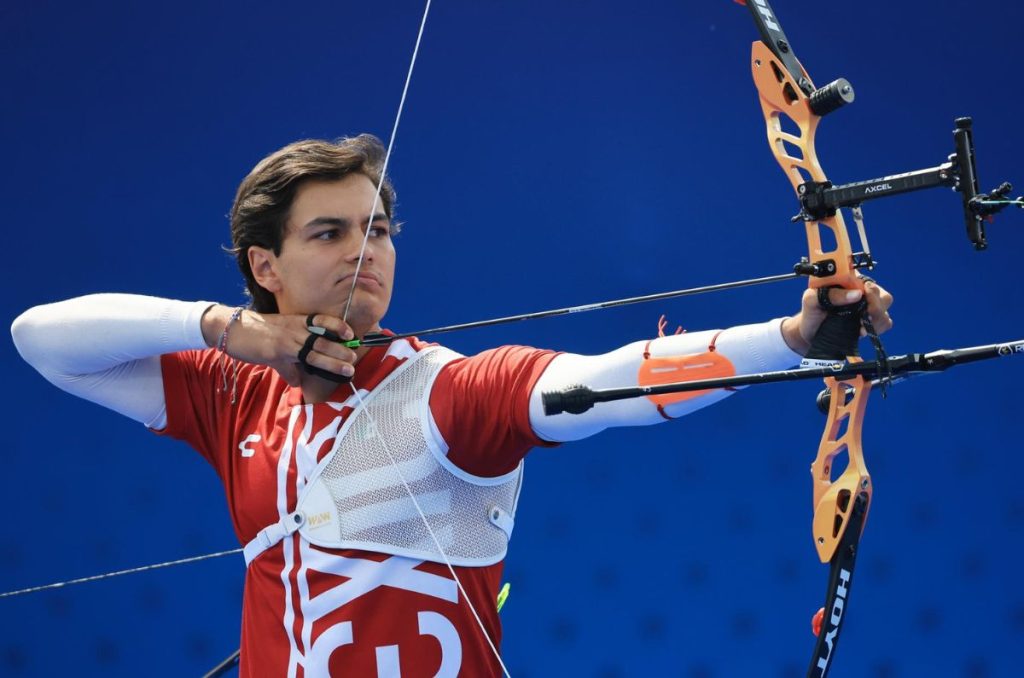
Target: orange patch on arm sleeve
[673, 369]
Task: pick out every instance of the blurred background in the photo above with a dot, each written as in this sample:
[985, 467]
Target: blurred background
[551, 153]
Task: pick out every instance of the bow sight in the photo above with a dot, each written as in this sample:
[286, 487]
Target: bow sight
[822, 199]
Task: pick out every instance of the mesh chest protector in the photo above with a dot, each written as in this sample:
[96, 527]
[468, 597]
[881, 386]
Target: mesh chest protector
[355, 498]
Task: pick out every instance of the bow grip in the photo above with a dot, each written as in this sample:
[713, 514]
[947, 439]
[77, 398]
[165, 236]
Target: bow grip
[837, 337]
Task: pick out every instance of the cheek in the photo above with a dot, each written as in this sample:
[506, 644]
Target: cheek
[387, 257]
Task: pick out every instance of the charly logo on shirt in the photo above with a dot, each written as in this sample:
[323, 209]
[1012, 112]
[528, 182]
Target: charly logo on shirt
[245, 449]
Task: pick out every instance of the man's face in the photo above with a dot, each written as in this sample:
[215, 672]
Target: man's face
[315, 271]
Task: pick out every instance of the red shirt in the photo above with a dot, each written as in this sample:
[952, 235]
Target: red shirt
[309, 611]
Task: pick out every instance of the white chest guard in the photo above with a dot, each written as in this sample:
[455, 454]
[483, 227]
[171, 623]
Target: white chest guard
[356, 499]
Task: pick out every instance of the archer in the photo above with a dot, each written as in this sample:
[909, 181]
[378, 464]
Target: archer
[373, 486]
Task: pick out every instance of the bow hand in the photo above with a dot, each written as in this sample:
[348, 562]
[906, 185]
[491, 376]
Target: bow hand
[836, 338]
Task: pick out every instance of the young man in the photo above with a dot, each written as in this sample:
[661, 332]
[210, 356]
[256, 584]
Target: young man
[374, 488]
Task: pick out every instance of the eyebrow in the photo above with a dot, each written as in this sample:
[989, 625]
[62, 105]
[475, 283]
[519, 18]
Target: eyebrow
[340, 222]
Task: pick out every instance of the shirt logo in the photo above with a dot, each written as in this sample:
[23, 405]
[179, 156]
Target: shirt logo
[251, 438]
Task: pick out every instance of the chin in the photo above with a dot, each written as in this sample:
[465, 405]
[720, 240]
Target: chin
[361, 317]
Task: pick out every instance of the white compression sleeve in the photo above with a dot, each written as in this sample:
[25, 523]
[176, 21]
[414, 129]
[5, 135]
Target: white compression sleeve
[750, 348]
[106, 348]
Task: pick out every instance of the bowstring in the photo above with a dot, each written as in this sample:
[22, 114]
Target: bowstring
[355, 391]
[118, 573]
[387, 158]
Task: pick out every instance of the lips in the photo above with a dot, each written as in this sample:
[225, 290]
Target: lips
[366, 278]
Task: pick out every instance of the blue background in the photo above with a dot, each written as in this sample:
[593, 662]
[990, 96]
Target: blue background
[550, 154]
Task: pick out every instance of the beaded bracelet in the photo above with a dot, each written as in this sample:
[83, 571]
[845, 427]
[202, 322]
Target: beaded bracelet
[223, 342]
[222, 345]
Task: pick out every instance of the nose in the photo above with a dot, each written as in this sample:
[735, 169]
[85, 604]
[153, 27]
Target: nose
[363, 247]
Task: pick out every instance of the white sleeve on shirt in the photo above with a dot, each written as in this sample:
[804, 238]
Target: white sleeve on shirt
[750, 348]
[106, 348]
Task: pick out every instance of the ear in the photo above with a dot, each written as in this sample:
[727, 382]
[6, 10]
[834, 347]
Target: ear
[263, 263]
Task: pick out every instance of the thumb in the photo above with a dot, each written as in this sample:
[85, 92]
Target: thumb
[842, 297]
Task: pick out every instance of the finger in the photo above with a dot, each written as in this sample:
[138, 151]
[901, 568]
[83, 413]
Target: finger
[330, 364]
[809, 301]
[882, 323]
[327, 355]
[334, 350]
[877, 295]
[884, 299]
[317, 352]
[879, 301]
[878, 314]
[334, 324]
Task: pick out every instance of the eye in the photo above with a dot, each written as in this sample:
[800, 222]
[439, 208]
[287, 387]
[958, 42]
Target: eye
[380, 231]
[329, 234]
